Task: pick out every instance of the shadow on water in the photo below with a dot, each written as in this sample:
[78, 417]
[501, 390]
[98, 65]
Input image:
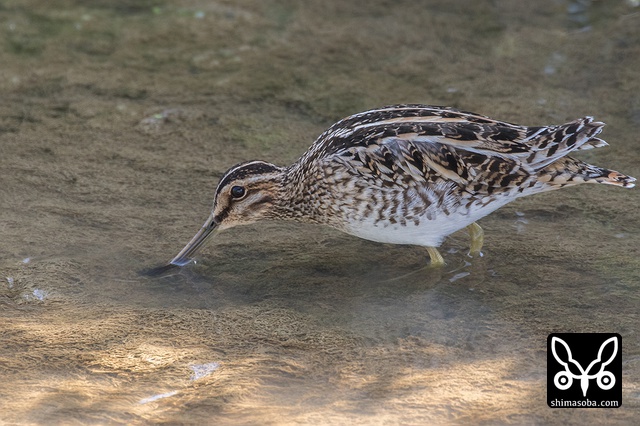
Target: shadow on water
[118, 119]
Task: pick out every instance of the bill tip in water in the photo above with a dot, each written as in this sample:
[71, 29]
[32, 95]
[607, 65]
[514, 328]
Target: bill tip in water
[180, 261]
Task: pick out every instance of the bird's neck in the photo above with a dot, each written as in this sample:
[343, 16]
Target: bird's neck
[293, 195]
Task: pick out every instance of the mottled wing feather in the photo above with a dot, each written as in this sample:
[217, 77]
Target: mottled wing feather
[427, 124]
[538, 146]
[442, 139]
[406, 144]
[403, 163]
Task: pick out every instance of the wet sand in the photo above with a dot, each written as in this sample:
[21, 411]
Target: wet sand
[117, 118]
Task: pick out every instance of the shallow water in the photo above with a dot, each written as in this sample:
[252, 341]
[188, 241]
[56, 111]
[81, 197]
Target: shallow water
[117, 119]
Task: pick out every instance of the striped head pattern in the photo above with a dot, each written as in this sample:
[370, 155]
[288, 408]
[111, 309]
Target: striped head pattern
[246, 193]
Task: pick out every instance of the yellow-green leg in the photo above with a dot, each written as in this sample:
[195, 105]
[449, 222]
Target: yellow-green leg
[477, 238]
[436, 257]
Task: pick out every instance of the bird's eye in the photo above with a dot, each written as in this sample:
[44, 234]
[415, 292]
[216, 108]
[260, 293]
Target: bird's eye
[238, 192]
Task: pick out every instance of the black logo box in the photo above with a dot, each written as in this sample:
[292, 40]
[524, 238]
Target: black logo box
[584, 370]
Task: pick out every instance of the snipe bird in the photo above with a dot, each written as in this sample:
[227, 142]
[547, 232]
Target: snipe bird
[408, 174]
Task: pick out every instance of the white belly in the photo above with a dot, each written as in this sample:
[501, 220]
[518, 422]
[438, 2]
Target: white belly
[429, 232]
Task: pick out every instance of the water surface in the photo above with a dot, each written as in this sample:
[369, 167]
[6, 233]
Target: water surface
[116, 120]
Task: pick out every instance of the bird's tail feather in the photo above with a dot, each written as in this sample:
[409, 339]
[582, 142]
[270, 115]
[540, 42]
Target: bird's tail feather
[570, 171]
[548, 144]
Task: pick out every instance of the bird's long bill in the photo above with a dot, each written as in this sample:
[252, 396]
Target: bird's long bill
[186, 254]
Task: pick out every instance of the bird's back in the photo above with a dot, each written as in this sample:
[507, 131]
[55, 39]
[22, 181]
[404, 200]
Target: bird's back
[429, 144]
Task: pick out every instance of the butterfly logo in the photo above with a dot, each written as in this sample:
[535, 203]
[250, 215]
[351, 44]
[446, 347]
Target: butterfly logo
[564, 379]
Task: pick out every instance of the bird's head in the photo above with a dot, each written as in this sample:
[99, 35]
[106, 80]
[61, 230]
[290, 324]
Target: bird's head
[245, 194]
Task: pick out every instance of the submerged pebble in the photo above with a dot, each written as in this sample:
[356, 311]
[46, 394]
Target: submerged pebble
[36, 294]
[157, 397]
[456, 277]
[203, 370]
